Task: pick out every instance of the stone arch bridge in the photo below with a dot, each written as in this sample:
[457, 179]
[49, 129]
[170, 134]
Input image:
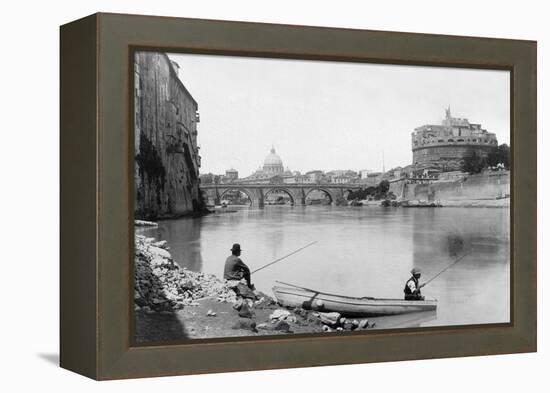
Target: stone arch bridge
[298, 192]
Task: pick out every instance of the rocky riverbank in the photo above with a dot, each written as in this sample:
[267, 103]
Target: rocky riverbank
[161, 285]
[173, 303]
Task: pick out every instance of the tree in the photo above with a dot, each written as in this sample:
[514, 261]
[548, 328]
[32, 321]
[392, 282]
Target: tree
[378, 192]
[207, 178]
[384, 186]
[499, 155]
[370, 190]
[473, 163]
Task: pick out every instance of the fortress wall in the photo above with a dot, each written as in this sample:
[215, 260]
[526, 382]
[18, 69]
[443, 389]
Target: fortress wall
[481, 186]
[448, 152]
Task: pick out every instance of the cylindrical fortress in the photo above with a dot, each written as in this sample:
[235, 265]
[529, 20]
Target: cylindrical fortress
[449, 151]
[453, 140]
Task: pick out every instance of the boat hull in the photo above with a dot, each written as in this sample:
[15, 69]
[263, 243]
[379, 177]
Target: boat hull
[347, 305]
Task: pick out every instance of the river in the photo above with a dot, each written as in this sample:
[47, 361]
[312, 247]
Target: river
[362, 251]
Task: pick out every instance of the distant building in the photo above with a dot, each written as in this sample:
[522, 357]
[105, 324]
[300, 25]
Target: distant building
[342, 176]
[372, 179]
[342, 179]
[363, 173]
[231, 174]
[451, 141]
[272, 166]
[313, 177]
[395, 173]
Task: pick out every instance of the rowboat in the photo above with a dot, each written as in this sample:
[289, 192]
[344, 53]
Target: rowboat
[347, 305]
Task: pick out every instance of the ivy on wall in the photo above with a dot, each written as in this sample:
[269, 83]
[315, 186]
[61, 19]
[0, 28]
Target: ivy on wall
[150, 165]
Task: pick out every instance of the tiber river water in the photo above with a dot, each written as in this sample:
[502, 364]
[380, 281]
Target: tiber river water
[363, 251]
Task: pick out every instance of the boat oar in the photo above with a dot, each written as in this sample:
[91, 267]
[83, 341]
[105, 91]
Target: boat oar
[286, 256]
[448, 267]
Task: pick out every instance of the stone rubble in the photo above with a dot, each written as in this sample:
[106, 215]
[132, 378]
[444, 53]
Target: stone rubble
[161, 285]
[280, 315]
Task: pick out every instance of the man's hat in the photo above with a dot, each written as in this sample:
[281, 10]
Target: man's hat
[236, 247]
[416, 270]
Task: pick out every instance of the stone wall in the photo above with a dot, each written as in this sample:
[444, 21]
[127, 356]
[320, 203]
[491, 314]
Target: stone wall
[446, 152]
[166, 153]
[488, 185]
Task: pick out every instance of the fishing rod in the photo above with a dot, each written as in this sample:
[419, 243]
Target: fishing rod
[296, 286]
[314, 290]
[286, 256]
[447, 268]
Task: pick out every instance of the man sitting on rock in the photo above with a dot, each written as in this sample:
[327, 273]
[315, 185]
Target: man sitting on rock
[237, 274]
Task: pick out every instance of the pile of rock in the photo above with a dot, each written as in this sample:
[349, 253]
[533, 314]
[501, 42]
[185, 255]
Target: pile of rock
[333, 321]
[282, 315]
[329, 321]
[161, 285]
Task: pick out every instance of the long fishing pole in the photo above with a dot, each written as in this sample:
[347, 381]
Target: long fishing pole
[447, 268]
[286, 256]
[314, 290]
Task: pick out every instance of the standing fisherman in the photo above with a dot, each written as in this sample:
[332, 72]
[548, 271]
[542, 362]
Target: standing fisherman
[412, 286]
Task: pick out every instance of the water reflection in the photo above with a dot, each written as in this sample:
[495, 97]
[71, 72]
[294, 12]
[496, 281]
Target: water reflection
[477, 288]
[184, 239]
[413, 320]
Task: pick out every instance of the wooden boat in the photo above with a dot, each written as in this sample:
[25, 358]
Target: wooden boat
[346, 305]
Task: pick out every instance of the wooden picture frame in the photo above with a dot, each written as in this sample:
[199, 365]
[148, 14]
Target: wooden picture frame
[96, 195]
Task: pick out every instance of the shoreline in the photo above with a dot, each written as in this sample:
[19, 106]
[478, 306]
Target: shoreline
[190, 214]
[173, 303]
[442, 203]
[476, 203]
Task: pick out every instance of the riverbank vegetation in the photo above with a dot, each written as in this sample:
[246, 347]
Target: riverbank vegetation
[499, 157]
[379, 192]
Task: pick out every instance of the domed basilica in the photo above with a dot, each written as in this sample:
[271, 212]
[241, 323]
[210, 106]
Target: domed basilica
[273, 166]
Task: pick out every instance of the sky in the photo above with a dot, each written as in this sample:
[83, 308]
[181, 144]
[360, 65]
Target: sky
[330, 115]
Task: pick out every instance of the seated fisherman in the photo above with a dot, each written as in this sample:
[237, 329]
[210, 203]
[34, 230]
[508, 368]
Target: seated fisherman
[412, 286]
[236, 271]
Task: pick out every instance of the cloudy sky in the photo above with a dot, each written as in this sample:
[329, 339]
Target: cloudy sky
[330, 115]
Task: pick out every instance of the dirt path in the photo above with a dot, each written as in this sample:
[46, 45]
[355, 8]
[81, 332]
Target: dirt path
[193, 322]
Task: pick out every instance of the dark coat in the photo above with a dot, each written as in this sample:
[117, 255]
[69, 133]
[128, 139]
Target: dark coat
[413, 295]
[235, 268]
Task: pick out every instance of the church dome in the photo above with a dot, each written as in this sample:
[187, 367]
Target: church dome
[273, 163]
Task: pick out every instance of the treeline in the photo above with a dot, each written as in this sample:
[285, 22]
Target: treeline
[498, 157]
[375, 192]
[210, 178]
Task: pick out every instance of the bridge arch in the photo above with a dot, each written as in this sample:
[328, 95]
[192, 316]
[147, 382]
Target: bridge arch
[280, 189]
[297, 192]
[325, 191]
[248, 193]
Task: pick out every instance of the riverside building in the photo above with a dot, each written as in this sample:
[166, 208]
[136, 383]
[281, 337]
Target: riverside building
[166, 151]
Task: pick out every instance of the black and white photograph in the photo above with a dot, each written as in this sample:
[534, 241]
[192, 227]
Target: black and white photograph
[288, 196]
[216, 196]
